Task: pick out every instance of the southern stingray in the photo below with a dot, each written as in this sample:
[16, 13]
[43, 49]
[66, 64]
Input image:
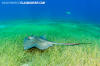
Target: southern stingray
[41, 43]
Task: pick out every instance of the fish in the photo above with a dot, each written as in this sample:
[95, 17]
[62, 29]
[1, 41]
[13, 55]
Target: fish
[41, 43]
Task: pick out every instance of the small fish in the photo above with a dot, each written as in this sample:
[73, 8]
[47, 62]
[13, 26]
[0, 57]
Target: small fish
[41, 43]
[68, 13]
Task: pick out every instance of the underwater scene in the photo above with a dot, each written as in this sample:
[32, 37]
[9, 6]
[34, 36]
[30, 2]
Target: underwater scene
[49, 33]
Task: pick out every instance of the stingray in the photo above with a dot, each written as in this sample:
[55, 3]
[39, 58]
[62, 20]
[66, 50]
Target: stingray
[41, 43]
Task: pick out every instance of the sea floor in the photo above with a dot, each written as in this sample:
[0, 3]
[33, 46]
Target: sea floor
[13, 33]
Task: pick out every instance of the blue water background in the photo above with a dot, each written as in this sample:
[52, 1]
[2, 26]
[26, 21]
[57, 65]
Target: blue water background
[86, 10]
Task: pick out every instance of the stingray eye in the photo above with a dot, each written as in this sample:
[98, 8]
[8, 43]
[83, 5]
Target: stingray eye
[30, 37]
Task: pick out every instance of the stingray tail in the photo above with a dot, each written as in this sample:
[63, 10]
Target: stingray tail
[70, 43]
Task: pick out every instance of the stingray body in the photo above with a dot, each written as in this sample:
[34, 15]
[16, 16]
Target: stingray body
[41, 43]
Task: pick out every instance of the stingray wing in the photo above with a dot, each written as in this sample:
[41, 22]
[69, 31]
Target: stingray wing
[29, 43]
